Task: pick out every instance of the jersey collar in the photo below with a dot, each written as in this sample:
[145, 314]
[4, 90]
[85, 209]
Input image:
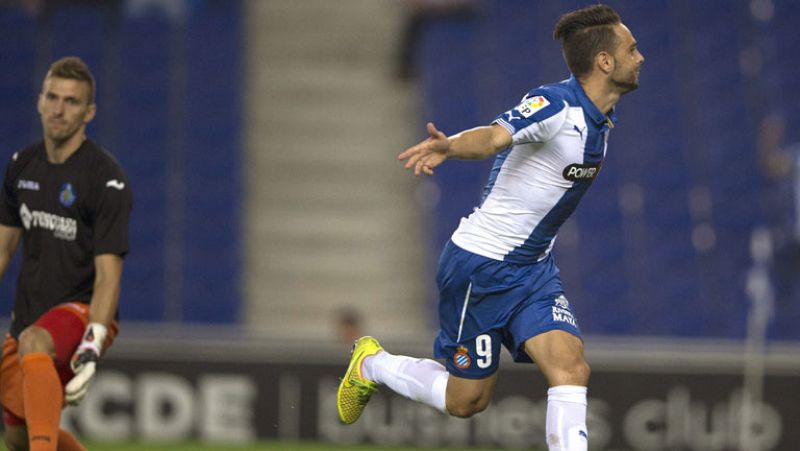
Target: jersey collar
[590, 108]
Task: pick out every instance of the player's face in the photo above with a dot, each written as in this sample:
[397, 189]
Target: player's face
[628, 61]
[64, 108]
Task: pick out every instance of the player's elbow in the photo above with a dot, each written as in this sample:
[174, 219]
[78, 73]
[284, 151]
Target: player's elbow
[501, 139]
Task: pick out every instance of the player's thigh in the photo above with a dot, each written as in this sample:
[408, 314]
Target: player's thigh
[57, 332]
[16, 437]
[466, 397]
[66, 324]
[559, 354]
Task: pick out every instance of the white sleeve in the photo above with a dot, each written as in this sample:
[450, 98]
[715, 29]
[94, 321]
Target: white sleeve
[536, 119]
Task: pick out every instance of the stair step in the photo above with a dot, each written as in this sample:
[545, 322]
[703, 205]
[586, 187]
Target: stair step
[332, 217]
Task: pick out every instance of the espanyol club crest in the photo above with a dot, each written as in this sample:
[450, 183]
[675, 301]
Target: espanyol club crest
[67, 195]
[462, 358]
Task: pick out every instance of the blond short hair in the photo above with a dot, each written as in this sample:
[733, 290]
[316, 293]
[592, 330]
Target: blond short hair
[73, 68]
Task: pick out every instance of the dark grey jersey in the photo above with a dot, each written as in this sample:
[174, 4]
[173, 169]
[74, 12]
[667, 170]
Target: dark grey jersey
[69, 213]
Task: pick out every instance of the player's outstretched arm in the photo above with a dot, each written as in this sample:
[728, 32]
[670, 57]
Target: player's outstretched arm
[474, 144]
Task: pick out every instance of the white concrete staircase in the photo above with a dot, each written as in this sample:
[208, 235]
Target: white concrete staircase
[332, 219]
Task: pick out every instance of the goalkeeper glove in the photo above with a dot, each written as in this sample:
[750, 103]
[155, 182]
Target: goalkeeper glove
[84, 362]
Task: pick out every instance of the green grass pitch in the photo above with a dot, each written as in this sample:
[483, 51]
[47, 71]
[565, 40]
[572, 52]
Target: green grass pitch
[261, 446]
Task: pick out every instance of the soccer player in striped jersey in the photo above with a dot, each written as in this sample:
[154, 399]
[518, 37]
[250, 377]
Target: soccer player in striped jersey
[498, 282]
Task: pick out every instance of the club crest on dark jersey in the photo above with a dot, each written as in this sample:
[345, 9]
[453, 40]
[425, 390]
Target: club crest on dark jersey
[67, 195]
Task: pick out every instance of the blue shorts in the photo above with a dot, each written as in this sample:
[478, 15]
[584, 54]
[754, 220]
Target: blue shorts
[485, 302]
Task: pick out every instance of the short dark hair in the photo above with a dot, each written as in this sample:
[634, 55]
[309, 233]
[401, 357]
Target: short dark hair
[585, 33]
[73, 68]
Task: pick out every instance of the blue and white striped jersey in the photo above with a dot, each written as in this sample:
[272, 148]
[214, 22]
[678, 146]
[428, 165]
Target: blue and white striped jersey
[559, 142]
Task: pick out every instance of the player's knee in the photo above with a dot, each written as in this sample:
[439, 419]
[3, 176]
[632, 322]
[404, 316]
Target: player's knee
[573, 372]
[465, 408]
[578, 372]
[35, 339]
[581, 371]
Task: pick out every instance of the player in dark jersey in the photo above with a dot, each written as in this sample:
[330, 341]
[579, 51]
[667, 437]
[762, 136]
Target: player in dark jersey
[69, 201]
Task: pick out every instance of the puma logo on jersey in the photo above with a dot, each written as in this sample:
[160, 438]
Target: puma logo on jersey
[511, 116]
[579, 130]
[115, 184]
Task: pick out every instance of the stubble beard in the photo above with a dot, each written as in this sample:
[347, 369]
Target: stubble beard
[60, 134]
[626, 84]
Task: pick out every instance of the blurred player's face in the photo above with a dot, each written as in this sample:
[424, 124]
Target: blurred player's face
[64, 108]
[628, 61]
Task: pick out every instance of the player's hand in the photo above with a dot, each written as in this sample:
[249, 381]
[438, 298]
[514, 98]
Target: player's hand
[428, 154]
[84, 363]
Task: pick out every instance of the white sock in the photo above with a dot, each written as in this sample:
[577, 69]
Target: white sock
[566, 418]
[420, 380]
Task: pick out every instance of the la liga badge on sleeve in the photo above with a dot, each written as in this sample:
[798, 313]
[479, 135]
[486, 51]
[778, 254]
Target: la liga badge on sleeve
[531, 105]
